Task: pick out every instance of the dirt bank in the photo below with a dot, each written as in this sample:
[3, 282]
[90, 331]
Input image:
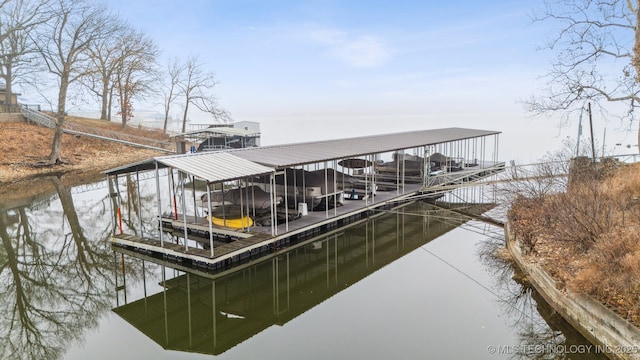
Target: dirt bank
[23, 146]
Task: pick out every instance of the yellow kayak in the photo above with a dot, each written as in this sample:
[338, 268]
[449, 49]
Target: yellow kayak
[235, 223]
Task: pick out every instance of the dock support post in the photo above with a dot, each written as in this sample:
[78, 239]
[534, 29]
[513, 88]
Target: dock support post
[425, 169]
[495, 147]
[172, 193]
[397, 173]
[184, 212]
[286, 202]
[326, 188]
[295, 186]
[373, 180]
[112, 194]
[210, 217]
[119, 206]
[335, 187]
[274, 210]
[366, 185]
[164, 301]
[159, 206]
[214, 312]
[304, 186]
[139, 203]
[242, 207]
[193, 188]
[189, 309]
[253, 198]
[404, 170]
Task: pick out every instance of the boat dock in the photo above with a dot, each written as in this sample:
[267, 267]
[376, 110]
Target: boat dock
[217, 209]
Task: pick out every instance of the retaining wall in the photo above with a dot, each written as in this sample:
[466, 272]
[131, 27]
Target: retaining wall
[610, 333]
[11, 117]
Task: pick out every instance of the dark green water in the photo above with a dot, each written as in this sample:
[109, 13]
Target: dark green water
[417, 283]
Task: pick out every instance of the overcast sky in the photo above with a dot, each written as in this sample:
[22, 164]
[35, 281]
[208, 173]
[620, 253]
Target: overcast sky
[309, 70]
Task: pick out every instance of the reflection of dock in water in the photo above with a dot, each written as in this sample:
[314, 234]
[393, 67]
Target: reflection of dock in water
[336, 183]
[211, 312]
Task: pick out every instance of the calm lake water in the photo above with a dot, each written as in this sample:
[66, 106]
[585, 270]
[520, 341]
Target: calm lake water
[416, 283]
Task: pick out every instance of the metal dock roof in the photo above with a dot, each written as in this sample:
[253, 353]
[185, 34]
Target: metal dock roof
[238, 163]
[209, 166]
[280, 156]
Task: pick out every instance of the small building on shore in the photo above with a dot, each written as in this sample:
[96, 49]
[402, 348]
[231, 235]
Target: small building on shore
[206, 137]
[8, 103]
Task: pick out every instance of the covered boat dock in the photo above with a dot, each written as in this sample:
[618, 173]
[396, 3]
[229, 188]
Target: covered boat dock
[218, 208]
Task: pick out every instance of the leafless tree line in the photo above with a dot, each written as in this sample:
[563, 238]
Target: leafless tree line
[82, 45]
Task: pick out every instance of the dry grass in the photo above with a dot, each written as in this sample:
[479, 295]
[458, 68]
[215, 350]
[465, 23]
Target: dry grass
[151, 133]
[587, 237]
[24, 145]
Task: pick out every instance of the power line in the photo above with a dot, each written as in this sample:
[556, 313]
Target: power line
[486, 288]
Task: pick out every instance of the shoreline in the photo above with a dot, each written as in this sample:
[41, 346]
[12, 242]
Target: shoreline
[611, 334]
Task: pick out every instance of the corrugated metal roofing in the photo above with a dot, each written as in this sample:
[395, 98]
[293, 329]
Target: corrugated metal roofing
[238, 163]
[209, 166]
[216, 166]
[304, 153]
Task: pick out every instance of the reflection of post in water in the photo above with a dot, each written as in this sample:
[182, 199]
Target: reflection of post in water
[128, 206]
[134, 204]
[226, 308]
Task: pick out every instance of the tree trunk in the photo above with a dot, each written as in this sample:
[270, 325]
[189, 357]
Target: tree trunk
[110, 104]
[105, 98]
[56, 148]
[166, 120]
[124, 111]
[7, 82]
[184, 117]
[55, 157]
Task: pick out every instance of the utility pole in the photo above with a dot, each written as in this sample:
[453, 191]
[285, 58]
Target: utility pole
[593, 146]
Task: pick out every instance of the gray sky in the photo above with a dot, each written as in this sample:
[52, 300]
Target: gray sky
[309, 70]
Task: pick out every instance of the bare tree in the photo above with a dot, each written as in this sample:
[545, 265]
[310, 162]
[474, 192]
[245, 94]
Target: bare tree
[105, 58]
[170, 88]
[135, 71]
[196, 86]
[597, 48]
[18, 19]
[63, 45]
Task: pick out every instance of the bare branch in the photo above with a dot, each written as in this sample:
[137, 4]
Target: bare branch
[597, 51]
[197, 86]
[18, 19]
[135, 70]
[170, 88]
[63, 45]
